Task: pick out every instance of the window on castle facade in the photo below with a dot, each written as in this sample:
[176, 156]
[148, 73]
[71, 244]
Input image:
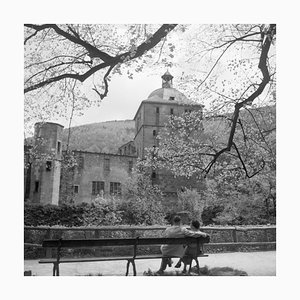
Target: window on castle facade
[97, 187]
[76, 189]
[106, 164]
[157, 116]
[36, 186]
[80, 162]
[115, 188]
[154, 132]
[48, 165]
[130, 166]
[172, 111]
[58, 147]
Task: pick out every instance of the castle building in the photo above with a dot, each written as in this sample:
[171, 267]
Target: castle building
[97, 174]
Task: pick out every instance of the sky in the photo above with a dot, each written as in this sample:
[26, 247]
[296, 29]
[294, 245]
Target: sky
[121, 103]
[123, 100]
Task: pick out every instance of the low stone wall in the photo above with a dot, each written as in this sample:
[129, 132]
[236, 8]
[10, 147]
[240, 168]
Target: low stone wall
[223, 239]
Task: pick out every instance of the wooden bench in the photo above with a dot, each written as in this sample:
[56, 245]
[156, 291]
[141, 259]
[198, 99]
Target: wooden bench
[117, 242]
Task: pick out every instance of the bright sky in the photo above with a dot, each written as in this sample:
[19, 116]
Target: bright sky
[123, 100]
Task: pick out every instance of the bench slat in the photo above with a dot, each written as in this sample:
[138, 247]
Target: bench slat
[91, 259]
[84, 259]
[89, 243]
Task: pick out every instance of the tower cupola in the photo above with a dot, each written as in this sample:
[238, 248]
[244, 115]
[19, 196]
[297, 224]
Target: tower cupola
[167, 80]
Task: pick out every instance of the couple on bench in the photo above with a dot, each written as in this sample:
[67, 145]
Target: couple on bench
[186, 253]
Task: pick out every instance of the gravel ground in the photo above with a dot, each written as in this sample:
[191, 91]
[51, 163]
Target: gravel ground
[253, 263]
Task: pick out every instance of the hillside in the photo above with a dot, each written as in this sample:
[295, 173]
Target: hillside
[100, 137]
[109, 136]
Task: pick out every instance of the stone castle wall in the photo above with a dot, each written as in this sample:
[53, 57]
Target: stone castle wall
[45, 171]
[93, 167]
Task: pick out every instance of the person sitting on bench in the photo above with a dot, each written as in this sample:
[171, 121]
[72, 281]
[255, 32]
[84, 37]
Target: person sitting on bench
[190, 250]
[175, 231]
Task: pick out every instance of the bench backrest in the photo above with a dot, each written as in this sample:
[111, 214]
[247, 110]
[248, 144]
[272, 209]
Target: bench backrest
[93, 243]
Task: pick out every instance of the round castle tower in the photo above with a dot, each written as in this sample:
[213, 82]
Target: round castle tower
[45, 175]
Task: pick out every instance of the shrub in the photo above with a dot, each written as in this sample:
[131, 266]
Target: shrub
[210, 213]
[190, 201]
[102, 212]
[142, 211]
[132, 211]
[243, 210]
[51, 215]
[142, 202]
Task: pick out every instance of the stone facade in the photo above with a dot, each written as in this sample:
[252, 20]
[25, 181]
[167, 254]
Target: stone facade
[45, 172]
[103, 173]
[96, 174]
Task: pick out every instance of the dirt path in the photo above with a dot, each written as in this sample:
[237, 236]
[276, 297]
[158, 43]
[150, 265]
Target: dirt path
[254, 263]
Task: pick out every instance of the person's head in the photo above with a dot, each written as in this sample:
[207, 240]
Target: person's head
[176, 220]
[195, 224]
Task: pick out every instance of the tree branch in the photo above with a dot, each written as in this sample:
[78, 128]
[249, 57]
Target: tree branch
[266, 78]
[102, 96]
[244, 166]
[108, 61]
[93, 51]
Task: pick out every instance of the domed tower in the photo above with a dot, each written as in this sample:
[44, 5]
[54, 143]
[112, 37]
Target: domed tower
[154, 112]
[45, 175]
[152, 115]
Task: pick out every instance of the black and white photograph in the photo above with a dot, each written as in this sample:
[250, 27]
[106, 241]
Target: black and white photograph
[150, 150]
[151, 147]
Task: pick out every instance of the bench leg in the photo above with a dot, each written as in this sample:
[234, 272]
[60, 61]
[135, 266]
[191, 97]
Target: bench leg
[127, 267]
[55, 269]
[133, 266]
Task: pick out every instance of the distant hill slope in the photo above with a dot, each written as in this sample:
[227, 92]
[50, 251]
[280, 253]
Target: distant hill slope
[100, 137]
[109, 136]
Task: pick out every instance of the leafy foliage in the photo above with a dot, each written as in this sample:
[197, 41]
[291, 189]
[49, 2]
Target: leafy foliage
[51, 215]
[102, 213]
[210, 213]
[188, 145]
[192, 202]
[142, 201]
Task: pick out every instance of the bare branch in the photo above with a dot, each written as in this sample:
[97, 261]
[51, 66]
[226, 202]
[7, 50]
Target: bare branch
[28, 38]
[244, 166]
[214, 65]
[102, 96]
